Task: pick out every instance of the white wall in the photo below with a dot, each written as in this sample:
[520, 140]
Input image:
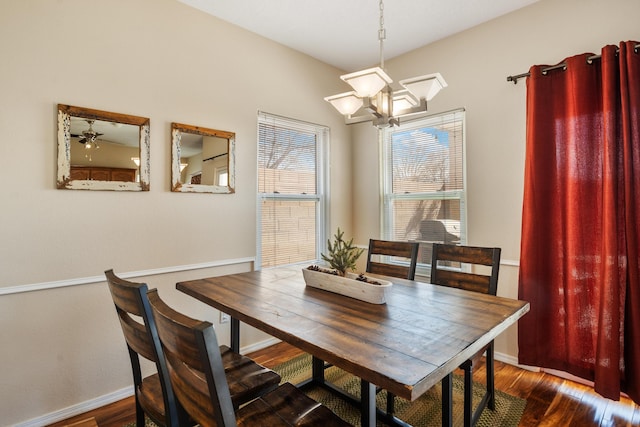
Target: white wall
[475, 64]
[160, 59]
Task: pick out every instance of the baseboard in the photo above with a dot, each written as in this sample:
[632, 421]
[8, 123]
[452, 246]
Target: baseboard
[77, 409]
[259, 345]
[107, 399]
[512, 360]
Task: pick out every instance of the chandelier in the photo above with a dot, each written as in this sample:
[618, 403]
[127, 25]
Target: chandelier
[373, 99]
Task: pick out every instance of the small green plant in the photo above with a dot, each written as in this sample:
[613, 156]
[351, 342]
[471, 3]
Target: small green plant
[342, 254]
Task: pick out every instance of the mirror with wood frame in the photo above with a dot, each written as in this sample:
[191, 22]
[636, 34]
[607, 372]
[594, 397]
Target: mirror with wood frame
[101, 150]
[202, 159]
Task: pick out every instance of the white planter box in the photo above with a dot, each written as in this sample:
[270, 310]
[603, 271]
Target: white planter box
[348, 286]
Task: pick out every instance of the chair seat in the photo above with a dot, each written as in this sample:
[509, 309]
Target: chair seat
[247, 379]
[150, 397]
[287, 406]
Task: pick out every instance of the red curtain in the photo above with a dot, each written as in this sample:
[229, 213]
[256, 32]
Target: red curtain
[579, 265]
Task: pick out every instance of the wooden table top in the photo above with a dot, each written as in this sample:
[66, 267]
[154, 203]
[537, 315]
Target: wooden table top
[406, 346]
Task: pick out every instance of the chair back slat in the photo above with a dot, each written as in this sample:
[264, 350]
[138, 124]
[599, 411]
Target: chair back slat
[126, 295]
[466, 281]
[389, 269]
[407, 250]
[387, 247]
[175, 331]
[472, 255]
[137, 337]
[130, 300]
[467, 254]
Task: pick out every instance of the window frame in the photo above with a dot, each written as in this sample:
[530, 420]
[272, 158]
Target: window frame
[321, 197]
[386, 178]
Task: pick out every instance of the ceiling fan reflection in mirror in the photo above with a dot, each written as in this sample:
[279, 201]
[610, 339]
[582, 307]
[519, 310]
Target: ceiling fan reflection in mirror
[89, 138]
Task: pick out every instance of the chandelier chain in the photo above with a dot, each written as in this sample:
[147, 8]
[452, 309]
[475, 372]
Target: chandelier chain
[381, 34]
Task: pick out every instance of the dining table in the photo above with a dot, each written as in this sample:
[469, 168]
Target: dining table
[410, 343]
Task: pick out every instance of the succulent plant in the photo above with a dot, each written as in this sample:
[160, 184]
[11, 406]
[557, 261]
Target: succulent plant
[342, 254]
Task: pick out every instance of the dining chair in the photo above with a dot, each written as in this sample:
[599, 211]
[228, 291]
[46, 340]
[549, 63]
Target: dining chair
[198, 378]
[473, 269]
[154, 394]
[402, 251]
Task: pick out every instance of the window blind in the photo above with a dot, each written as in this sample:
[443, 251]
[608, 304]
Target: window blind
[424, 182]
[289, 189]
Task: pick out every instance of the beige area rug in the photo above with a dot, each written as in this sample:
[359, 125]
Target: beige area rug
[424, 412]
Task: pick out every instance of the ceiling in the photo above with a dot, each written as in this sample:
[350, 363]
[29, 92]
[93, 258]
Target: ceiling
[110, 132]
[127, 135]
[344, 33]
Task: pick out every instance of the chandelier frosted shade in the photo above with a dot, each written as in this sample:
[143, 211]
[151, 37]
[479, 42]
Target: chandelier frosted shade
[367, 83]
[426, 86]
[346, 103]
[403, 100]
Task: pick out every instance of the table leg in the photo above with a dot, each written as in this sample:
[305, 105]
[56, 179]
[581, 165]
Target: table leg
[370, 415]
[367, 404]
[447, 399]
[317, 370]
[235, 335]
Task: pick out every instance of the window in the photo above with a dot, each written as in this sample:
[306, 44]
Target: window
[424, 183]
[291, 190]
[222, 176]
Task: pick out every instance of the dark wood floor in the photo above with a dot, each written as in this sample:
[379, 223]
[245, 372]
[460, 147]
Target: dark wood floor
[551, 401]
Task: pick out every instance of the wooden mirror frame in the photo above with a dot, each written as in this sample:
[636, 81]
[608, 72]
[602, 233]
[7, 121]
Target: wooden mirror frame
[64, 181]
[177, 129]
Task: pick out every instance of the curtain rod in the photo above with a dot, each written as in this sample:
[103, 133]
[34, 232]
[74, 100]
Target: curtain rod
[214, 157]
[562, 65]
